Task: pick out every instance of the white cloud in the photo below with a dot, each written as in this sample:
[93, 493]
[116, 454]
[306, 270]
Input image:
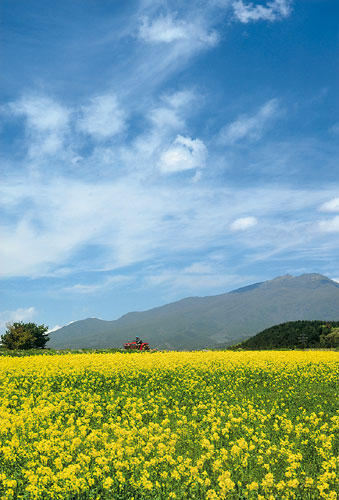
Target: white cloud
[183, 154]
[54, 222]
[163, 29]
[181, 99]
[41, 113]
[63, 216]
[243, 223]
[330, 225]
[272, 11]
[199, 268]
[102, 118]
[76, 225]
[166, 29]
[330, 206]
[94, 288]
[198, 276]
[46, 123]
[22, 314]
[166, 117]
[172, 111]
[249, 126]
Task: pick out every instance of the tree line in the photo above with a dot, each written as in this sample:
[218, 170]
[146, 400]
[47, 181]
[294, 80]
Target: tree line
[294, 335]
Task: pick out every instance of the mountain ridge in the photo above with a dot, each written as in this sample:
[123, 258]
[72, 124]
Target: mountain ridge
[201, 322]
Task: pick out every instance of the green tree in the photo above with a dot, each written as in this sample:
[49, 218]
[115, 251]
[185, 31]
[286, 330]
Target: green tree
[331, 339]
[25, 336]
[303, 339]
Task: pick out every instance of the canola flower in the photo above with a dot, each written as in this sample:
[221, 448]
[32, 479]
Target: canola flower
[174, 425]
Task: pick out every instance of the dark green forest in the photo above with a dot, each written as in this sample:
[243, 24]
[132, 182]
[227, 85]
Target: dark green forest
[295, 335]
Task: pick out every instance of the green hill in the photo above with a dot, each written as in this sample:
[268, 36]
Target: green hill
[205, 322]
[295, 334]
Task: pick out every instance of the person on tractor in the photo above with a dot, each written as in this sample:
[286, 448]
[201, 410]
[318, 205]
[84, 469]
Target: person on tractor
[138, 341]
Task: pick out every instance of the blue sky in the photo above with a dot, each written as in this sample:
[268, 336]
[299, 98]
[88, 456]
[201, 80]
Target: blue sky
[156, 150]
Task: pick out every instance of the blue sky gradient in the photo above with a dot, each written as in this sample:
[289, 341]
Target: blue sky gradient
[155, 150]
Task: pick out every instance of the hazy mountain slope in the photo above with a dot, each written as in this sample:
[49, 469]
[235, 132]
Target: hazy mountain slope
[199, 322]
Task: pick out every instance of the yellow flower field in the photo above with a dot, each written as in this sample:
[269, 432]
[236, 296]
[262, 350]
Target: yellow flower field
[200, 425]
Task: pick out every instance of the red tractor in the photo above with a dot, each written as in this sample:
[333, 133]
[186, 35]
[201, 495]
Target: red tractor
[136, 345]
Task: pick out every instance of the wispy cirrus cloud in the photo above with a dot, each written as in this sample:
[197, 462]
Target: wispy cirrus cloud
[272, 11]
[127, 224]
[250, 126]
[243, 223]
[202, 275]
[169, 29]
[329, 225]
[139, 214]
[330, 206]
[109, 281]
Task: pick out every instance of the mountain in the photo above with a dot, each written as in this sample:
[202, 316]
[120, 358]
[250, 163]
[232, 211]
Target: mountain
[202, 322]
[293, 334]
